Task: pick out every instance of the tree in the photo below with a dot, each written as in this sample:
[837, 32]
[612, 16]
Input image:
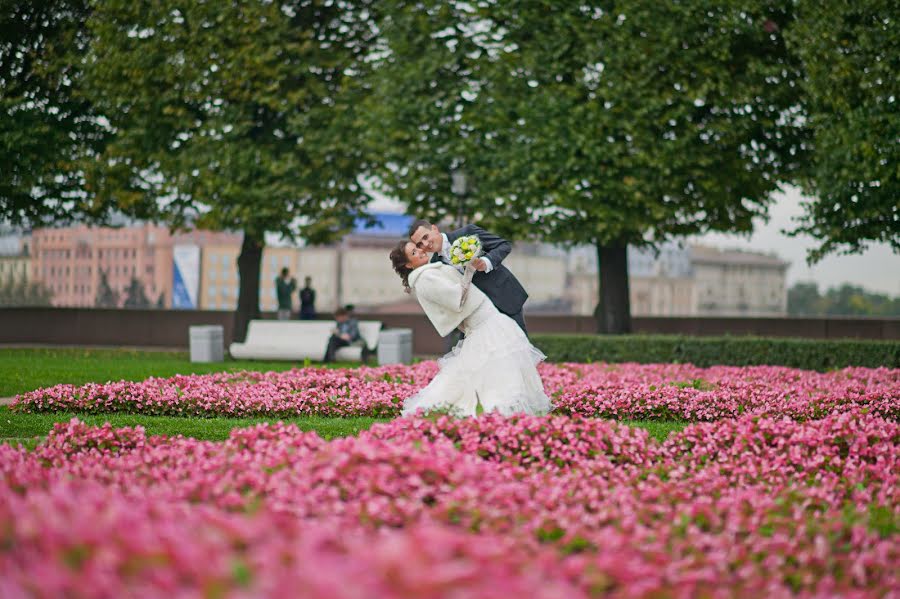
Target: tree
[846, 300]
[804, 300]
[136, 295]
[851, 54]
[852, 300]
[37, 294]
[107, 297]
[50, 134]
[21, 292]
[585, 125]
[240, 115]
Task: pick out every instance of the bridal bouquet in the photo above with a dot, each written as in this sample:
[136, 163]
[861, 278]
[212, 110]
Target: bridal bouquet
[462, 253]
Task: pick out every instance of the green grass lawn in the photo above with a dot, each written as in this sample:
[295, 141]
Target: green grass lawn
[28, 369]
[14, 425]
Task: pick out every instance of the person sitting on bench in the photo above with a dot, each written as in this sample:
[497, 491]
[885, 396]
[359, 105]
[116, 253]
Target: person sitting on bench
[346, 332]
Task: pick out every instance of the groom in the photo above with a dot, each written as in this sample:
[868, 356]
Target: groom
[494, 279]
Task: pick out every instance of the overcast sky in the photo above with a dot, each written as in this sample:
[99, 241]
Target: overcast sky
[877, 269]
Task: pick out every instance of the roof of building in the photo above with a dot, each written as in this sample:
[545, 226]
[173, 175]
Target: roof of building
[709, 255]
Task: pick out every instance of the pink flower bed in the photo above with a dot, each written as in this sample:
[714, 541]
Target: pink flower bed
[488, 507]
[621, 391]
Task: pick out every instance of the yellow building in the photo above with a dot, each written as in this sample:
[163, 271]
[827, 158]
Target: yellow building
[219, 282]
[219, 277]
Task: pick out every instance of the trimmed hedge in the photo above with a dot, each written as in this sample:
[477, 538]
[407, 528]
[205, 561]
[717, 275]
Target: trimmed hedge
[808, 354]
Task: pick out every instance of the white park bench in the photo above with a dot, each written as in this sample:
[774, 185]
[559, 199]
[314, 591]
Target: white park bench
[300, 339]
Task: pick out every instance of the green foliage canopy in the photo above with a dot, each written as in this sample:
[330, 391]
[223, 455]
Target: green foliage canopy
[804, 299]
[236, 115]
[625, 124]
[850, 53]
[50, 132]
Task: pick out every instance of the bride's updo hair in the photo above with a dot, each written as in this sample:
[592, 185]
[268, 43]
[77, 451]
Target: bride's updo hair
[399, 260]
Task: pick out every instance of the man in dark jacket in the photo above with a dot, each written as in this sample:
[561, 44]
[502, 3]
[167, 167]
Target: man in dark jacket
[307, 300]
[495, 280]
[284, 287]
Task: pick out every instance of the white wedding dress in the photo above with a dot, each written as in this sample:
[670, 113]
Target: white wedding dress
[494, 366]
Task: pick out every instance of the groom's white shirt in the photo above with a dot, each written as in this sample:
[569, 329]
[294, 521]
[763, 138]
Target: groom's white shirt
[445, 255]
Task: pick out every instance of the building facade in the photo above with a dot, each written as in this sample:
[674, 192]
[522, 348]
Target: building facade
[661, 282]
[198, 269]
[357, 271]
[70, 261]
[739, 283]
[687, 281]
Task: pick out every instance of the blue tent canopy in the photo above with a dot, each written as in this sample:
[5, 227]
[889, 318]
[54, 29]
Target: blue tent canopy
[387, 225]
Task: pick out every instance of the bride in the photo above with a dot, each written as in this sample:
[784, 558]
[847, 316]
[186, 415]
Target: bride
[494, 365]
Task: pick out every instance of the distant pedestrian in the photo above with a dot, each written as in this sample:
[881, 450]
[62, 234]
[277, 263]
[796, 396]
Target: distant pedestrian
[307, 300]
[345, 332]
[366, 352]
[284, 289]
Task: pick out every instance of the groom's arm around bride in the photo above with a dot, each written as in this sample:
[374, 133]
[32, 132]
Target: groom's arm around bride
[493, 278]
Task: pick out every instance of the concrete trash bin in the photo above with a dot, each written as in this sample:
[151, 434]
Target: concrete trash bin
[207, 343]
[395, 346]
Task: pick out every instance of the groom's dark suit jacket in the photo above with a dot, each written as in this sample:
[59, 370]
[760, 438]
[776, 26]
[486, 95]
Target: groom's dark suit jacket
[500, 285]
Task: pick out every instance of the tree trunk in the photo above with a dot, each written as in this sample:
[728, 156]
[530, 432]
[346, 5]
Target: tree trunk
[248, 294]
[613, 312]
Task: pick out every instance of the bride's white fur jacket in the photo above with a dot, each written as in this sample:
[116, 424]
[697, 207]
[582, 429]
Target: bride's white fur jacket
[439, 289]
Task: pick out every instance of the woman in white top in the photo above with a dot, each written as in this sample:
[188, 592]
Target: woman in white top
[494, 365]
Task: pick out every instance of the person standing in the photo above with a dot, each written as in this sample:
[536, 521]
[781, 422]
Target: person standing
[307, 300]
[284, 288]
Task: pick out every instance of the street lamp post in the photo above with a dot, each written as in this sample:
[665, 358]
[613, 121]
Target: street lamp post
[459, 185]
